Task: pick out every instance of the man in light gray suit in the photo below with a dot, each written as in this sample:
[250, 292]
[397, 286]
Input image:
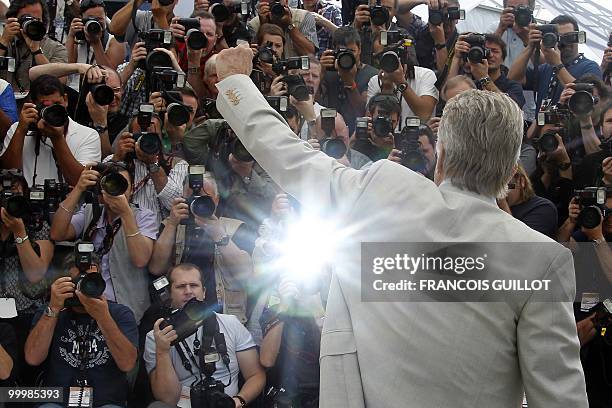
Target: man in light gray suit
[422, 355]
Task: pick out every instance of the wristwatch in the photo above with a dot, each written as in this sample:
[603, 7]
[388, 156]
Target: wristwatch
[599, 241]
[402, 87]
[38, 51]
[241, 399]
[290, 27]
[559, 67]
[50, 313]
[100, 128]
[482, 82]
[153, 167]
[440, 46]
[19, 240]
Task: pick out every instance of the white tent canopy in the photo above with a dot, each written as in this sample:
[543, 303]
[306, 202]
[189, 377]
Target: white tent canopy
[594, 17]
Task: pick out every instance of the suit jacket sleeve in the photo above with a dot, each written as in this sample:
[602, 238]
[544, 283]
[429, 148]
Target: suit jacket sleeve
[301, 171]
[548, 346]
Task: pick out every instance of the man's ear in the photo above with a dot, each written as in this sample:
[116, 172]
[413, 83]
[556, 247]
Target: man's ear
[439, 171]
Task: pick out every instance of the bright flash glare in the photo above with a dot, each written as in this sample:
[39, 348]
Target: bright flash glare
[309, 244]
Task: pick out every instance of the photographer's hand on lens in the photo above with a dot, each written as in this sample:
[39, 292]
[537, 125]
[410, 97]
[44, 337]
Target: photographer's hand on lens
[15, 225]
[49, 131]
[395, 155]
[347, 76]
[314, 143]
[62, 289]
[232, 61]
[506, 19]
[243, 169]
[362, 16]
[164, 337]
[328, 60]
[11, 29]
[479, 69]
[145, 158]
[88, 178]
[434, 124]
[96, 308]
[396, 77]
[117, 204]
[286, 20]
[567, 93]
[462, 47]
[139, 53]
[178, 31]
[159, 104]
[437, 33]
[125, 145]
[94, 74]
[98, 113]
[212, 226]
[31, 44]
[534, 37]
[201, 5]
[160, 11]
[28, 115]
[559, 155]
[175, 63]
[606, 166]
[178, 212]
[586, 329]
[595, 234]
[552, 56]
[75, 26]
[305, 108]
[278, 87]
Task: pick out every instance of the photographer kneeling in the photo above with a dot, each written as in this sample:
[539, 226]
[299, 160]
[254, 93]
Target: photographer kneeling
[123, 235]
[88, 342]
[173, 375]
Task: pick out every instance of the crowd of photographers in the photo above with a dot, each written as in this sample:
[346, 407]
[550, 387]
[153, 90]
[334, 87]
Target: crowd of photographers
[130, 212]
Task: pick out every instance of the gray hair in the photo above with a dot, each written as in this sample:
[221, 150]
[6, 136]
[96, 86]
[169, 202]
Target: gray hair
[482, 133]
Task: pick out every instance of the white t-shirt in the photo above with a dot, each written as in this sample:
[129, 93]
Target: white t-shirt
[424, 83]
[85, 55]
[83, 142]
[237, 338]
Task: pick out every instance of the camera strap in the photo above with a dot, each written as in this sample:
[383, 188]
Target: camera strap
[209, 354]
[187, 362]
[554, 79]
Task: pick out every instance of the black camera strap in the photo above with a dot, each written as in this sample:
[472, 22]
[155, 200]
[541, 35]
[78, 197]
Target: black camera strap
[554, 79]
[210, 333]
[111, 230]
[187, 362]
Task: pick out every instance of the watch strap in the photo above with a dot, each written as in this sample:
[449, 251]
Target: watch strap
[559, 67]
[37, 52]
[100, 128]
[19, 240]
[440, 46]
[50, 313]
[243, 402]
[482, 82]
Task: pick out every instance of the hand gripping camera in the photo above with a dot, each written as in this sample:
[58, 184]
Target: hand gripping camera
[91, 26]
[582, 103]
[550, 35]
[201, 205]
[439, 16]
[295, 83]
[408, 143]
[478, 51]
[156, 38]
[111, 181]
[395, 55]
[195, 39]
[15, 204]
[32, 27]
[90, 284]
[331, 146]
[523, 15]
[592, 201]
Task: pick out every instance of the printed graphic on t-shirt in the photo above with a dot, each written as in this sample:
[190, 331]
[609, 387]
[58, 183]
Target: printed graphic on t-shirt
[70, 345]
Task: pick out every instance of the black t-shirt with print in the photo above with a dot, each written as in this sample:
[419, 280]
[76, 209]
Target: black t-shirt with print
[109, 383]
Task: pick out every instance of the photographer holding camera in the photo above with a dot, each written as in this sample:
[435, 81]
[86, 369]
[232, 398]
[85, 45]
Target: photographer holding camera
[26, 254]
[328, 18]
[563, 62]
[46, 143]
[173, 375]
[345, 80]
[89, 40]
[123, 235]
[299, 26]
[129, 21]
[376, 139]
[596, 168]
[485, 67]
[426, 150]
[193, 234]
[25, 39]
[88, 342]
[513, 27]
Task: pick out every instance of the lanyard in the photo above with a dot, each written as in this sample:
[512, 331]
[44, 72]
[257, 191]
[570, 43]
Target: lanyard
[109, 237]
[554, 79]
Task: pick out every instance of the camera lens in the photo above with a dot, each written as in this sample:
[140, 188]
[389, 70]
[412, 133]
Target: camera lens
[415, 161]
[240, 152]
[333, 147]
[114, 184]
[590, 217]
[149, 143]
[346, 60]
[102, 94]
[522, 16]
[178, 114]
[55, 115]
[158, 59]
[548, 142]
[379, 15]
[202, 206]
[277, 10]
[17, 206]
[381, 126]
[389, 62]
[34, 29]
[581, 103]
[435, 17]
[93, 27]
[91, 285]
[476, 54]
[220, 12]
[549, 40]
[266, 55]
[196, 40]
[297, 88]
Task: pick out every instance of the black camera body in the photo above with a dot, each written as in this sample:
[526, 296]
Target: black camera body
[478, 51]
[91, 25]
[208, 393]
[277, 10]
[439, 16]
[199, 205]
[550, 35]
[283, 66]
[553, 114]
[156, 38]
[592, 201]
[278, 103]
[345, 58]
[90, 284]
[297, 88]
[382, 126]
[102, 94]
[110, 181]
[265, 54]
[148, 142]
[361, 128]
[523, 15]
[582, 103]
[186, 320]
[54, 115]
[222, 13]
[407, 141]
[32, 27]
[331, 146]
[54, 193]
[15, 204]
[195, 39]
[547, 142]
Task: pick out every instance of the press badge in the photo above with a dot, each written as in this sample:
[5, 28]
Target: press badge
[211, 358]
[7, 308]
[589, 301]
[80, 397]
[185, 400]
